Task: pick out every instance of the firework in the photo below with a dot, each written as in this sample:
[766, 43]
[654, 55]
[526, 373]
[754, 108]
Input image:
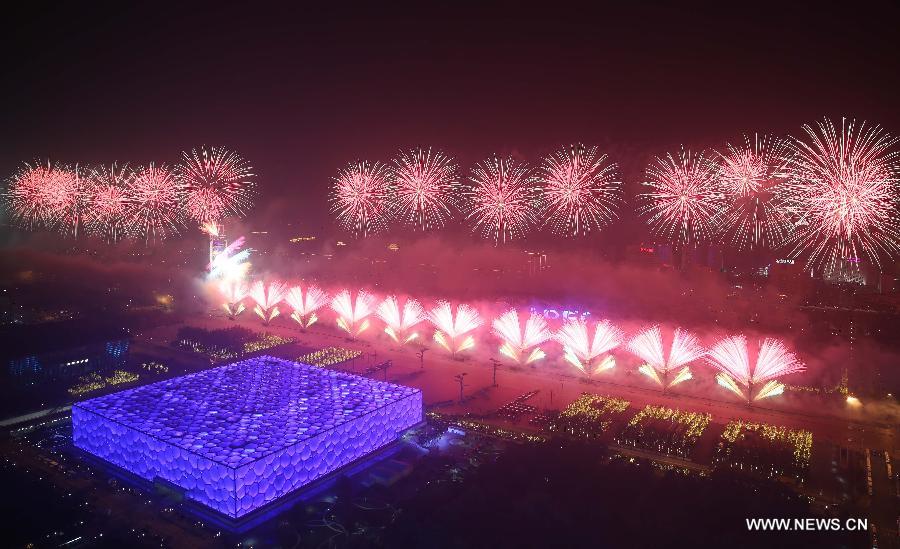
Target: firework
[425, 188]
[231, 263]
[353, 313]
[648, 346]
[518, 339]
[234, 292]
[731, 357]
[400, 320]
[306, 303]
[106, 215]
[154, 205]
[501, 199]
[70, 191]
[582, 351]
[453, 330]
[359, 198]
[216, 183]
[751, 177]
[580, 190]
[267, 297]
[211, 228]
[843, 191]
[30, 195]
[683, 198]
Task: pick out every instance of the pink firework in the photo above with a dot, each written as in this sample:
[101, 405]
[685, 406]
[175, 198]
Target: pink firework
[648, 346]
[751, 177]
[521, 343]
[31, 202]
[398, 320]
[234, 292]
[65, 193]
[453, 330]
[216, 183]
[843, 188]
[106, 215]
[683, 199]
[359, 197]
[153, 210]
[353, 312]
[731, 357]
[267, 297]
[305, 303]
[211, 228]
[581, 190]
[425, 189]
[502, 199]
[583, 351]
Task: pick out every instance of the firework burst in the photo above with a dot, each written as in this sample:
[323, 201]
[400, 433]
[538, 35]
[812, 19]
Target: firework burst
[731, 357]
[581, 190]
[501, 199]
[267, 297]
[453, 330]
[683, 198]
[751, 176]
[359, 198]
[106, 215]
[154, 206]
[216, 183]
[353, 313]
[521, 343]
[399, 321]
[30, 198]
[843, 190]
[425, 188]
[583, 351]
[648, 346]
[61, 196]
[306, 303]
[234, 292]
[231, 263]
[211, 228]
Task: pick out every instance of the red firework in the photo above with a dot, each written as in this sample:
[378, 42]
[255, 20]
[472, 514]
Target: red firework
[425, 188]
[66, 192]
[153, 210]
[108, 201]
[359, 198]
[683, 199]
[731, 356]
[216, 183]
[648, 346]
[29, 200]
[751, 176]
[502, 199]
[267, 297]
[843, 191]
[581, 190]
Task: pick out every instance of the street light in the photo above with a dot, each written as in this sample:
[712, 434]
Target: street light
[496, 364]
[459, 378]
[421, 355]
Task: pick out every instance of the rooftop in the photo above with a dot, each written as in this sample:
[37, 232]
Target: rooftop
[241, 412]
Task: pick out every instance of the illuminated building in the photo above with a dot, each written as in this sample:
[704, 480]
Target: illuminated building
[217, 244]
[242, 436]
[42, 355]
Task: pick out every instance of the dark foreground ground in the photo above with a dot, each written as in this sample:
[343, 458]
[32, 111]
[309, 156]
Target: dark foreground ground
[566, 495]
[487, 494]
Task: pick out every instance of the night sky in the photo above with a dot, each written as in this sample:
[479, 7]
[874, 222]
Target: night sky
[303, 90]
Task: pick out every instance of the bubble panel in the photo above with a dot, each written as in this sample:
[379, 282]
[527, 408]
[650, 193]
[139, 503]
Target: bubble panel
[243, 435]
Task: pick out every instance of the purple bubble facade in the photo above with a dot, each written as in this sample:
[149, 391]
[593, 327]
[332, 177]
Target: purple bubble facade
[241, 436]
